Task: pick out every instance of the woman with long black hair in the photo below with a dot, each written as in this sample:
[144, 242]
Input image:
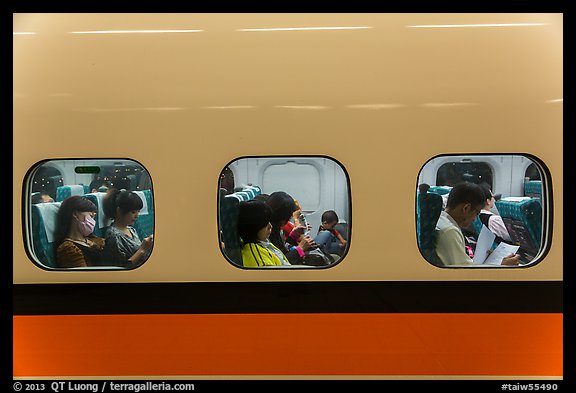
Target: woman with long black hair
[123, 245]
[75, 244]
[283, 206]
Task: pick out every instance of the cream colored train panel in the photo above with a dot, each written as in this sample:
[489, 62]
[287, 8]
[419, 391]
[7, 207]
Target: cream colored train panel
[373, 116]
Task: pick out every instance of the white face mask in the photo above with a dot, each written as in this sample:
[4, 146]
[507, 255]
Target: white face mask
[86, 227]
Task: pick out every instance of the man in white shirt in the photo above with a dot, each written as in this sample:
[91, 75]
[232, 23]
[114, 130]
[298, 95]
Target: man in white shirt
[465, 202]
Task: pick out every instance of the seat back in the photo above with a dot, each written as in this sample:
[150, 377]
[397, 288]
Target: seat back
[229, 228]
[429, 207]
[64, 192]
[477, 225]
[533, 189]
[228, 220]
[43, 231]
[443, 191]
[244, 195]
[523, 219]
[252, 190]
[144, 225]
[102, 222]
[440, 190]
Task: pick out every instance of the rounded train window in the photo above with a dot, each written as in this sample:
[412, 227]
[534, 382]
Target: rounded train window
[284, 212]
[88, 214]
[483, 211]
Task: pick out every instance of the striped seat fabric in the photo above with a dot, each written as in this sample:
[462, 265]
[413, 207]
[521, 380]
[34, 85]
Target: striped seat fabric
[228, 219]
[523, 219]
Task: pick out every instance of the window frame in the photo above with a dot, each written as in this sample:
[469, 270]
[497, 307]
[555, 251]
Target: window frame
[26, 203]
[309, 159]
[546, 201]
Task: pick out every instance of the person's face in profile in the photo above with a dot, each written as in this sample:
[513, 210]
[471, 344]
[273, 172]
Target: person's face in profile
[328, 225]
[130, 217]
[265, 232]
[82, 216]
[490, 202]
[469, 214]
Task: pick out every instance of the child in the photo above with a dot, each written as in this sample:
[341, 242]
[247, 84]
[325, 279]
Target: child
[328, 237]
[254, 228]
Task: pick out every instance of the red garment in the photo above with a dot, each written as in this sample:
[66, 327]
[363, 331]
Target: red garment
[286, 229]
[332, 231]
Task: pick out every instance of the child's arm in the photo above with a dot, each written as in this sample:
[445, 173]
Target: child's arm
[341, 239]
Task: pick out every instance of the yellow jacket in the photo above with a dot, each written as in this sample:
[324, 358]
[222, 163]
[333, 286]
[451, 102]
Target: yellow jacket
[254, 254]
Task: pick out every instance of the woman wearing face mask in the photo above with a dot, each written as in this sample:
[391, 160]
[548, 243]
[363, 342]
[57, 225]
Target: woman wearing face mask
[75, 244]
[123, 246]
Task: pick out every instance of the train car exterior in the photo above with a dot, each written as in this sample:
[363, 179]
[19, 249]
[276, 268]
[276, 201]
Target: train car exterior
[350, 112]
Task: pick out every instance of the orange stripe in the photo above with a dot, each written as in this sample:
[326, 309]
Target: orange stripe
[288, 344]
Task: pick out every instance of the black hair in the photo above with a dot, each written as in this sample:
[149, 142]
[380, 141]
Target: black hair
[486, 190]
[282, 206]
[51, 186]
[253, 215]
[124, 200]
[262, 197]
[466, 192]
[68, 207]
[329, 216]
[37, 197]
[97, 183]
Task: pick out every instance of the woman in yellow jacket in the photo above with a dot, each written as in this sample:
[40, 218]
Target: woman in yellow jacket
[254, 227]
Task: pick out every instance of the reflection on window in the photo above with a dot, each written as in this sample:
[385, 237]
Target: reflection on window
[532, 172]
[227, 181]
[89, 214]
[452, 173]
[46, 182]
[285, 212]
[467, 219]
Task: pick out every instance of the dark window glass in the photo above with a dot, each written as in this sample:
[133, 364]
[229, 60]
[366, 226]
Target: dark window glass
[46, 180]
[453, 173]
[227, 181]
[532, 172]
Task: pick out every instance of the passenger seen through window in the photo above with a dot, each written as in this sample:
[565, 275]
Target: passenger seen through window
[75, 244]
[465, 202]
[123, 245]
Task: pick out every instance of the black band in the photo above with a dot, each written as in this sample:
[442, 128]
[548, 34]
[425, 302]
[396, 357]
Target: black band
[289, 297]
